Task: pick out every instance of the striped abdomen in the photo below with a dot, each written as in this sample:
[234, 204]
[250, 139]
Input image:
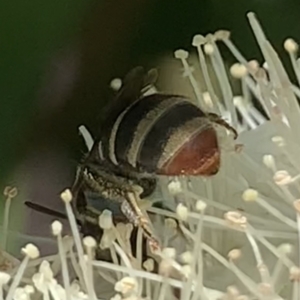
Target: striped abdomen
[162, 134]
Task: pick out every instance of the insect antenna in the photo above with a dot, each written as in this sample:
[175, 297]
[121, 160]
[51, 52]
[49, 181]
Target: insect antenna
[218, 120]
[48, 211]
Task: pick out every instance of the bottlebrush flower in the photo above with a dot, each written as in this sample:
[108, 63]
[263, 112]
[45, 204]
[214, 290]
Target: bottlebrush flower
[236, 234]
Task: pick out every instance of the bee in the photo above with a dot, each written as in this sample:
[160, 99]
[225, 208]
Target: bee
[142, 136]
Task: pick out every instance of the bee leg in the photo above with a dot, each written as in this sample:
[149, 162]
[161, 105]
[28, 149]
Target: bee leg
[148, 185]
[145, 180]
[218, 120]
[134, 214]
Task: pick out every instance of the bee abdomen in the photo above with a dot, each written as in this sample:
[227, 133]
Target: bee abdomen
[164, 134]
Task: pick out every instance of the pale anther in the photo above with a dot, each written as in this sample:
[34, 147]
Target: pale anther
[174, 187]
[31, 251]
[56, 227]
[149, 264]
[182, 211]
[66, 196]
[181, 54]
[253, 65]
[126, 286]
[198, 40]
[200, 205]
[238, 70]
[116, 84]
[89, 242]
[222, 34]
[282, 177]
[278, 140]
[235, 218]
[10, 191]
[269, 161]
[105, 219]
[234, 254]
[290, 45]
[265, 66]
[295, 273]
[250, 195]
[4, 278]
[285, 249]
[207, 99]
[209, 49]
[232, 291]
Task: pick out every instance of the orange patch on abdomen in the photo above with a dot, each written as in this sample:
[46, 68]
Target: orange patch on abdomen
[198, 156]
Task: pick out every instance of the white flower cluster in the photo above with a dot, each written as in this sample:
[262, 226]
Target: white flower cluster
[234, 236]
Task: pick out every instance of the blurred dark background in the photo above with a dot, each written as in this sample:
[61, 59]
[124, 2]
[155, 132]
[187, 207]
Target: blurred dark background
[58, 57]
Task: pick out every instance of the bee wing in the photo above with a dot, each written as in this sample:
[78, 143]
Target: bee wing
[134, 83]
[149, 81]
[137, 80]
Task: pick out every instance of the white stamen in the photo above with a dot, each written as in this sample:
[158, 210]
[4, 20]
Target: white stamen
[290, 45]
[234, 254]
[269, 162]
[250, 195]
[66, 196]
[235, 218]
[116, 84]
[278, 140]
[198, 40]
[200, 205]
[282, 177]
[127, 286]
[10, 193]
[209, 49]
[149, 264]
[207, 99]
[181, 54]
[182, 211]
[89, 242]
[174, 187]
[31, 252]
[105, 219]
[238, 70]
[56, 228]
[4, 279]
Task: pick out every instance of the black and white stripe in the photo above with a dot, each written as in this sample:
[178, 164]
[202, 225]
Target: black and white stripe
[151, 130]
